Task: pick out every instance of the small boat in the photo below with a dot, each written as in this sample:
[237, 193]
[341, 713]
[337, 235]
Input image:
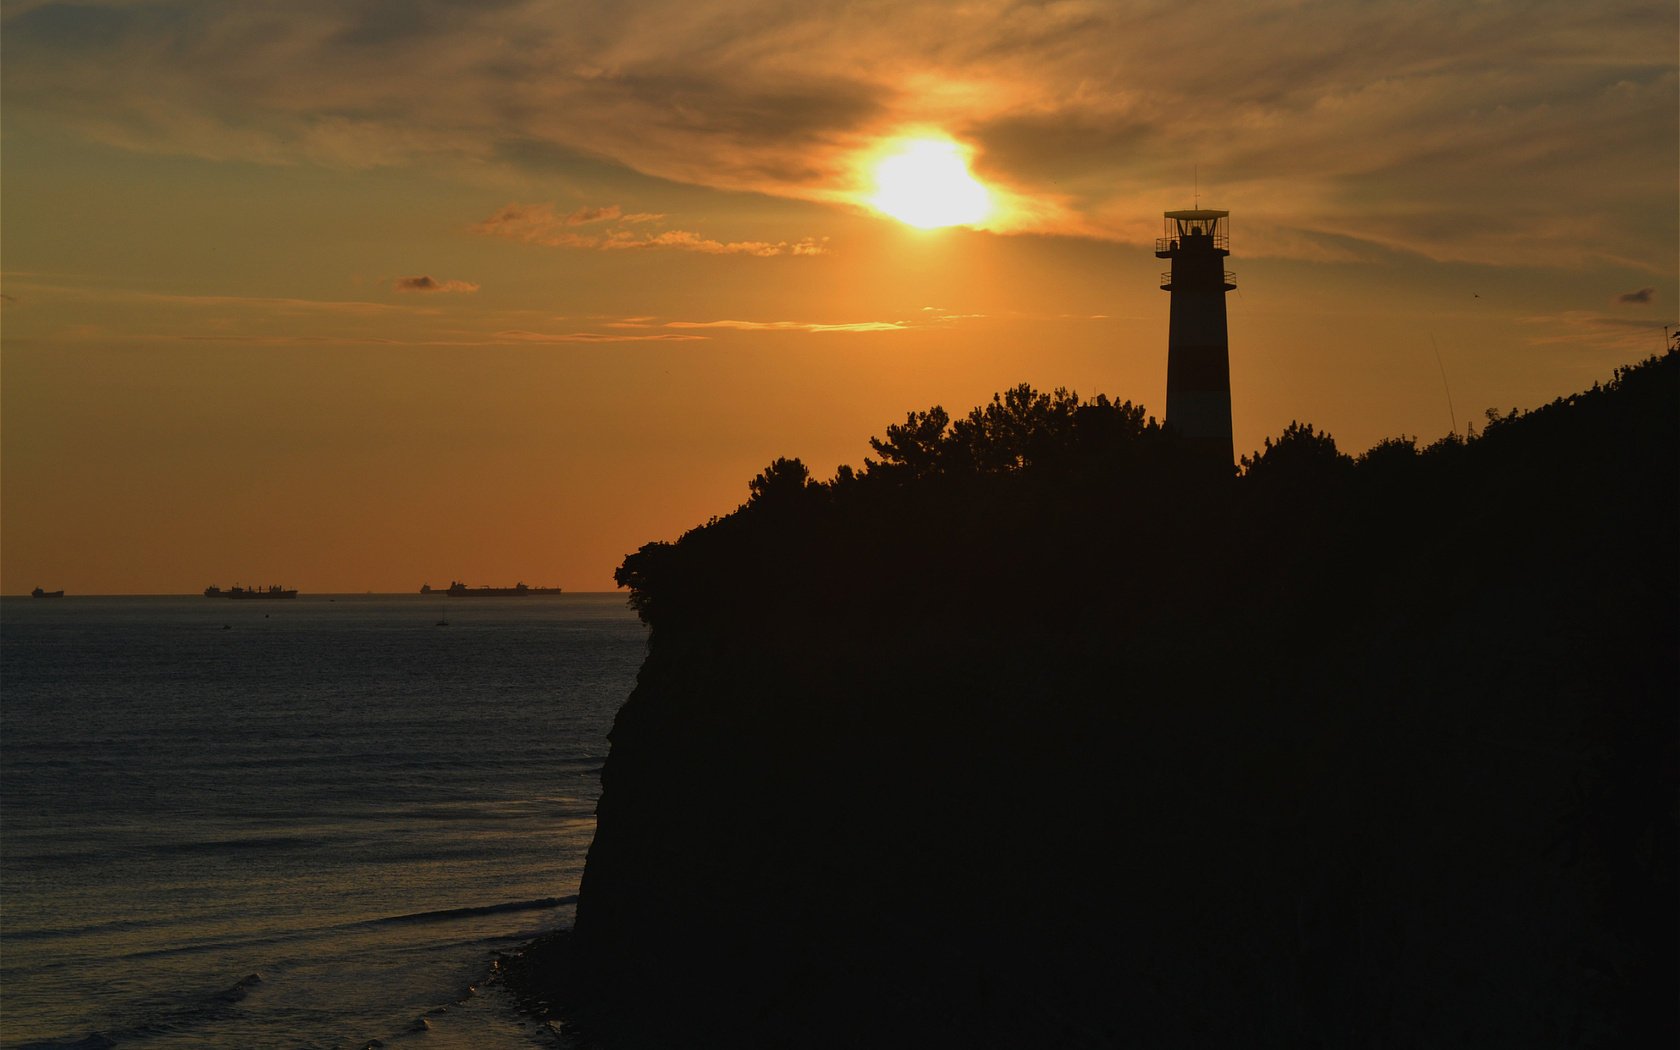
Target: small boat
[39, 593]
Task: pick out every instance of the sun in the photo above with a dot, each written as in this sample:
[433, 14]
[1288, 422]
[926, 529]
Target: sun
[926, 183]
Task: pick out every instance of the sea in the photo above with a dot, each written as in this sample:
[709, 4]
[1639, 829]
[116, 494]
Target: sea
[297, 823]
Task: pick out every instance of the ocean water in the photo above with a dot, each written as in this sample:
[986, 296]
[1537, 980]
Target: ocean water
[307, 823]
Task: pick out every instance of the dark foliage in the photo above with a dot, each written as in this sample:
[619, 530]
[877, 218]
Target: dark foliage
[1030, 733]
[784, 483]
[1301, 458]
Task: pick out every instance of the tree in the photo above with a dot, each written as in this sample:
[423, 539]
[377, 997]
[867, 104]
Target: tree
[1301, 456]
[1019, 426]
[915, 447]
[782, 483]
[1393, 453]
[644, 573]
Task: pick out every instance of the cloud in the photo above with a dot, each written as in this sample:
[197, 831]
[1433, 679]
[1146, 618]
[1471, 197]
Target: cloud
[1642, 295]
[255, 304]
[1498, 132]
[532, 223]
[512, 337]
[584, 216]
[1580, 329]
[521, 336]
[427, 283]
[687, 240]
[276, 304]
[168, 318]
[793, 326]
[543, 224]
[931, 317]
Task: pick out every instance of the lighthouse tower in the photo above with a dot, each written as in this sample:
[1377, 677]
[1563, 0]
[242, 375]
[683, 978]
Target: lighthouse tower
[1198, 353]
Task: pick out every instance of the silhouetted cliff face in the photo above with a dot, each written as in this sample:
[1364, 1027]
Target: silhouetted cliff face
[1060, 749]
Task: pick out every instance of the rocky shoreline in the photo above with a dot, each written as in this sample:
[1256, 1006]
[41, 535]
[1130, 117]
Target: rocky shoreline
[544, 979]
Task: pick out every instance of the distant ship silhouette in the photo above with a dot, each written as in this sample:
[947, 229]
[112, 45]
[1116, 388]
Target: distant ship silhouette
[461, 590]
[250, 592]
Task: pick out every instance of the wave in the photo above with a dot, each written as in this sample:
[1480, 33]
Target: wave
[238, 844]
[46, 933]
[320, 932]
[202, 1009]
[450, 914]
[438, 915]
[212, 1006]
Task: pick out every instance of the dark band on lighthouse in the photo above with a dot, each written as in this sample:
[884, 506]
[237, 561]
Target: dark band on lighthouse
[1198, 348]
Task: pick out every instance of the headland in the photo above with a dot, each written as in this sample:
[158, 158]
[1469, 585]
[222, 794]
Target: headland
[1027, 734]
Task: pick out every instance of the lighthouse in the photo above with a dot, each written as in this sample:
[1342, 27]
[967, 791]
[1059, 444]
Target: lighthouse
[1198, 351]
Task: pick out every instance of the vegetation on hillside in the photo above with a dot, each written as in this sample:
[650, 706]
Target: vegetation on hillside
[1093, 503]
[1031, 732]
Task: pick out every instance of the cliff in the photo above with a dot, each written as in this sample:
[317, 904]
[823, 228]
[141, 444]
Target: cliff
[1030, 734]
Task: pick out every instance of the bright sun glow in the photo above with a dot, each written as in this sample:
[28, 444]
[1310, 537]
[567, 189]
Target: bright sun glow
[926, 183]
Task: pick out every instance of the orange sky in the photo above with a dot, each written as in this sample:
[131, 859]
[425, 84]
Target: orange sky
[359, 295]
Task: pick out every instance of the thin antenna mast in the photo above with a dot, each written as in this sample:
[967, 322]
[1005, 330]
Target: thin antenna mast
[1444, 385]
[1196, 182]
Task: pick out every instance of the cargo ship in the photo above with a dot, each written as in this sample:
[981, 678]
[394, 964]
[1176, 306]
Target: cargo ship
[39, 593]
[251, 592]
[461, 590]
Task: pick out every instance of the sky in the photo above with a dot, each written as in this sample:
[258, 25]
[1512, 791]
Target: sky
[359, 295]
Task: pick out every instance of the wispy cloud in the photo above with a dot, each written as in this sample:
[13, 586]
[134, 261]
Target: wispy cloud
[428, 283]
[240, 320]
[1488, 132]
[929, 317]
[255, 302]
[507, 338]
[521, 336]
[1642, 295]
[583, 216]
[793, 326]
[1584, 329]
[543, 224]
[687, 240]
[539, 223]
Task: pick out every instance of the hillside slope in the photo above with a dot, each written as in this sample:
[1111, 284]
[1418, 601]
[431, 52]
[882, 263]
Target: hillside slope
[1031, 735]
